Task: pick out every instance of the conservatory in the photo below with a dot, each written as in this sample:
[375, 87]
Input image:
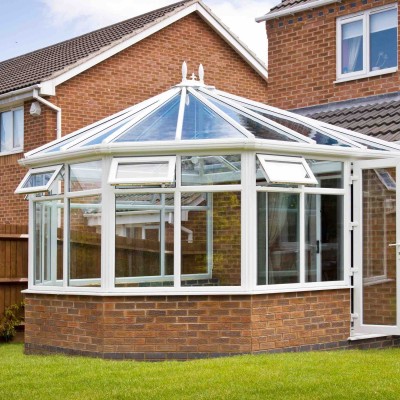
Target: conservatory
[196, 217]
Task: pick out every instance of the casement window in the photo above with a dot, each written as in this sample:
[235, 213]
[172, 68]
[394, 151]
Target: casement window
[11, 130]
[367, 43]
[39, 180]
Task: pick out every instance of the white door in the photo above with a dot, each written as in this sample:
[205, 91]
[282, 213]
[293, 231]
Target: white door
[376, 256]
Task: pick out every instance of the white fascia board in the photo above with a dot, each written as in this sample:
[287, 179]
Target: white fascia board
[233, 40]
[17, 96]
[296, 9]
[239, 47]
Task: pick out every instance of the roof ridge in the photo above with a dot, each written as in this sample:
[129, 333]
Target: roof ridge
[182, 2]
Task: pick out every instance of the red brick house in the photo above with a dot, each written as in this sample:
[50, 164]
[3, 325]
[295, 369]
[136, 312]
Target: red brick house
[337, 61]
[77, 82]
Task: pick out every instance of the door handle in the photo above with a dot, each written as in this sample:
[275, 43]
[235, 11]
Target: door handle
[394, 244]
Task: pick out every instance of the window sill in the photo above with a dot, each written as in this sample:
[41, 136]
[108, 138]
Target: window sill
[9, 153]
[368, 75]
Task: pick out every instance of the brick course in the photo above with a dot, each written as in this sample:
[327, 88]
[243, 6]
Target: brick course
[183, 327]
[302, 59]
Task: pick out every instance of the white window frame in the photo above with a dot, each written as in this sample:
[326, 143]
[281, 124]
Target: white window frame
[169, 178]
[35, 189]
[366, 71]
[15, 149]
[263, 158]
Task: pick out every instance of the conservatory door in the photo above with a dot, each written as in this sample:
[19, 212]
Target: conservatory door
[376, 247]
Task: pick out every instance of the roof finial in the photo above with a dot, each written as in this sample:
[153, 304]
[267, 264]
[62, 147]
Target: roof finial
[184, 71]
[201, 73]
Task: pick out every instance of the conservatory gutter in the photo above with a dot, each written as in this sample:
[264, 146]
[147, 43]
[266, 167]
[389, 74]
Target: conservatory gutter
[205, 146]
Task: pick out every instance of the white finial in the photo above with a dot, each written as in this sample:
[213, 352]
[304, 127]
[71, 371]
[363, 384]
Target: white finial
[193, 76]
[201, 73]
[184, 71]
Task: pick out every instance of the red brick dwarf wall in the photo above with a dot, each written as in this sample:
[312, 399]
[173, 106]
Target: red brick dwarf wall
[302, 58]
[183, 327]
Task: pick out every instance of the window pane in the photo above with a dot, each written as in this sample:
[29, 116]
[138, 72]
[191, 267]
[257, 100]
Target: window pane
[250, 123]
[85, 176]
[383, 40]
[211, 170]
[6, 131]
[85, 241]
[278, 238]
[160, 125]
[200, 122]
[352, 47]
[324, 238]
[18, 128]
[144, 240]
[328, 173]
[49, 239]
[38, 179]
[211, 239]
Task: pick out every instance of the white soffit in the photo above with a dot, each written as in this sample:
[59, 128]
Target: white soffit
[205, 13]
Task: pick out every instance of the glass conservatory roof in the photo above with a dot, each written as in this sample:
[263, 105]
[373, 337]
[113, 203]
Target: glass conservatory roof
[192, 111]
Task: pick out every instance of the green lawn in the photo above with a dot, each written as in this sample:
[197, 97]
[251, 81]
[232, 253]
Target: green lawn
[326, 375]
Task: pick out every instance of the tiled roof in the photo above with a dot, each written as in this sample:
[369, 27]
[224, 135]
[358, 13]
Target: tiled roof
[288, 4]
[34, 67]
[379, 119]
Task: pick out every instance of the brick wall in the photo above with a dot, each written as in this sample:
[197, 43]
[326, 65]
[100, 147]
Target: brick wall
[182, 327]
[302, 58]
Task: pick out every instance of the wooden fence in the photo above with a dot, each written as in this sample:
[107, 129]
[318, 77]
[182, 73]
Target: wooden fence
[13, 264]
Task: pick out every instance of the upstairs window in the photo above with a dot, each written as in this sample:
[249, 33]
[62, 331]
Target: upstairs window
[11, 130]
[367, 43]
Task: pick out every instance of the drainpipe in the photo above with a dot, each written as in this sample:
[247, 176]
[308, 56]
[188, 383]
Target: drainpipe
[53, 107]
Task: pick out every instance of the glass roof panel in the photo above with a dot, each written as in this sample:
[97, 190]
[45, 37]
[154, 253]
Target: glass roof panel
[259, 130]
[159, 125]
[200, 122]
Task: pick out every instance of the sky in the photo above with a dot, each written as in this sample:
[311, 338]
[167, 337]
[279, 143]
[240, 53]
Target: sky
[29, 25]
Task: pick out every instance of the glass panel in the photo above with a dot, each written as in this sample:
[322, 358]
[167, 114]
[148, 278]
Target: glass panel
[49, 239]
[383, 40]
[352, 47]
[85, 176]
[144, 240]
[6, 131]
[324, 238]
[211, 170]
[85, 241]
[18, 128]
[143, 170]
[328, 173]
[278, 238]
[159, 125]
[379, 259]
[38, 179]
[200, 122]
[211, 239]
[248, 122]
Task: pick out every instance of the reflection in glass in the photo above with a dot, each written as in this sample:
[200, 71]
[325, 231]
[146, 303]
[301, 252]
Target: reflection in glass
[328, 173]
[324, 238]
[211, 170]
[379, 258]
[6, 131]
[352, 47]
[85, 176]
[85, 241]
[211, 239]
[48, 242]
[200, 122]
[257, 128]
[278, 238]
[18, 138]
[144, 240]
[159, 125]
[383, 40]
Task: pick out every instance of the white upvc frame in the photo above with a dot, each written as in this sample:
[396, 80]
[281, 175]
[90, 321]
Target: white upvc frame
[15, 149]
[363, 16]
[135, 180]
[300, 161]
[36, 189]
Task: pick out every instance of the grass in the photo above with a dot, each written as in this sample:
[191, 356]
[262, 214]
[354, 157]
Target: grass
[372, 374]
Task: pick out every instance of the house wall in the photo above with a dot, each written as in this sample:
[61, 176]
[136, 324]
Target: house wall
[302, 58]
[184, 327]
[133, 75]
